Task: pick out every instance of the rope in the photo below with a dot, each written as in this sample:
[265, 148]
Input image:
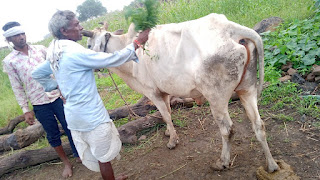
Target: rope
[107, 36]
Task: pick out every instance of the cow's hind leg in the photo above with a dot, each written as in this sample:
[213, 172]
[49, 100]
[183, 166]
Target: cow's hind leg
[249, 100]
[219, 108]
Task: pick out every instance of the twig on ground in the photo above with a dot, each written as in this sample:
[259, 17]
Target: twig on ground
[285, 127]
[312, 138]
[201, 124]
[234, 158]
[173, 171]
[300, 155]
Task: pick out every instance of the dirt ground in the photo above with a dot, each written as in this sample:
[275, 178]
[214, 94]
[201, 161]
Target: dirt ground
[296, 142]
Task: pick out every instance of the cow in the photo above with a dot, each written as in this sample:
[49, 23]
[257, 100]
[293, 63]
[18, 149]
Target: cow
[209, 57]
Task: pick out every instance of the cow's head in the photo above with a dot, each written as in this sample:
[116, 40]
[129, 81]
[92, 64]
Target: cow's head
[101, 40]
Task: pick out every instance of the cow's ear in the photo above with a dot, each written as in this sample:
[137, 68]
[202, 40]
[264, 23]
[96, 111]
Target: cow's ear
[131, 32]
[118, 32]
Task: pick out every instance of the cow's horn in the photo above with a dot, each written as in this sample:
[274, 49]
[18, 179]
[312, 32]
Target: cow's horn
[87, 33]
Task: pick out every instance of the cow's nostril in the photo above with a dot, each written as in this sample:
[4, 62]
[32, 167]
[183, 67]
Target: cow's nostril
[89, 46]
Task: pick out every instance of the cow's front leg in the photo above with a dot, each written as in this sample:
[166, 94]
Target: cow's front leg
[160, 103]
[224, 122]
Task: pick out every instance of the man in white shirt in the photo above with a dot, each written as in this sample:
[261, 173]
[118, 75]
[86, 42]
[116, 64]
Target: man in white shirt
[96, 137]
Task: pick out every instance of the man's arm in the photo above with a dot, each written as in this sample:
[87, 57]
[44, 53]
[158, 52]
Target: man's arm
[42, 75]
[19, 92]
[17, 87]
[97, 60]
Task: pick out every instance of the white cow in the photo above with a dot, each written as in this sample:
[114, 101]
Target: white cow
[209, 57]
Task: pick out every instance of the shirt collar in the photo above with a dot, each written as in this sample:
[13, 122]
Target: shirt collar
[15, 52]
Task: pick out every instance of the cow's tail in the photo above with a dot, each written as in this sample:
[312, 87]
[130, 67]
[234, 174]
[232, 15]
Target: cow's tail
[242, 32]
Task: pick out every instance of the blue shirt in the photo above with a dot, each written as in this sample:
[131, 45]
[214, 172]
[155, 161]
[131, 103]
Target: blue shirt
[84, 109]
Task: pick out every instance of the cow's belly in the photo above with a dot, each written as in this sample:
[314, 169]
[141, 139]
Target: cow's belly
[177, 80]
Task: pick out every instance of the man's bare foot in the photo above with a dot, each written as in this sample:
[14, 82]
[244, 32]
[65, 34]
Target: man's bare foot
[67, 171]
[122, 177]
[78, 160]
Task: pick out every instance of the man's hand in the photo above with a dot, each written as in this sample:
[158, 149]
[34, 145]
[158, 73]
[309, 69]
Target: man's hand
[63, 99]
[29, 117]
[142, 38]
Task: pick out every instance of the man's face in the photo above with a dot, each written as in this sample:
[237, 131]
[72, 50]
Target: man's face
[19, 40]
[73, 32]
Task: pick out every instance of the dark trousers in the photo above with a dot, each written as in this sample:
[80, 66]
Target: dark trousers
[47, 115]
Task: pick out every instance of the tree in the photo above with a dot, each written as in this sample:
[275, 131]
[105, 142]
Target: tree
[90, 8]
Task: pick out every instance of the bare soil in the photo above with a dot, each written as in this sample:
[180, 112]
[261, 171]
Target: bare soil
[296, 142]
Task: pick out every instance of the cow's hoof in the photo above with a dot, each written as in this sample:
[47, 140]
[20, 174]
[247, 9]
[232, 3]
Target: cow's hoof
[173, 144]
[218, 166]
[274, 166]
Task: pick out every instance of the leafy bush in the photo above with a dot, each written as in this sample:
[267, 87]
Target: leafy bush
[298, 43]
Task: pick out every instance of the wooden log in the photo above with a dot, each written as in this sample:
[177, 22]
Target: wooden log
[11, 125]
[141, 108]
[24, 137]
[21, 138]
[29, 158]
[128, 131]
[144, 106]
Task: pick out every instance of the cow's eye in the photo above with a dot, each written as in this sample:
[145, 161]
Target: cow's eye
[89, 46]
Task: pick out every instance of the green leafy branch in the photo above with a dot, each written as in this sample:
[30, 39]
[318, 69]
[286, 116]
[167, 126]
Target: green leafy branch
[144, 14]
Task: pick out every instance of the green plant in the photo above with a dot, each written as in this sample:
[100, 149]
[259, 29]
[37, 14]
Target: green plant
[144, 14]
[283, 117]
[272, 74]
[309, 105]
[296, 42]
[277, 92]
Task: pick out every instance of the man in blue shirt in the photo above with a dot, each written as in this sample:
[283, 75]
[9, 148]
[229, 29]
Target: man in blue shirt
[94, 134]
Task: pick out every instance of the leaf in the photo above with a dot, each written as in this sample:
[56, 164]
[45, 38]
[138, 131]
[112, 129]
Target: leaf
[308, 60]
[282, 58]
[299, 53]
[291, 45]
[283, 49]
[276, 51]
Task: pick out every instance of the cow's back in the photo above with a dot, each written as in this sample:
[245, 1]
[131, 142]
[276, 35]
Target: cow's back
[183, 57]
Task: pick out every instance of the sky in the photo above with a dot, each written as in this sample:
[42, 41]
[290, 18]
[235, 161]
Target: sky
[34, 15]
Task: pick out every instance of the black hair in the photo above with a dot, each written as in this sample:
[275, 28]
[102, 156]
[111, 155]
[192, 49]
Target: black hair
[10, 25]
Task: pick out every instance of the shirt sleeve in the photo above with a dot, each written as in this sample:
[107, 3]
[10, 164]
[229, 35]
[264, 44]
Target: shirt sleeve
[42, 74]
[17, 86]
[96, 60]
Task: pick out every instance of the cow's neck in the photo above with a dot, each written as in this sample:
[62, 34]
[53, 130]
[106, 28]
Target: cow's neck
[121, 41]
